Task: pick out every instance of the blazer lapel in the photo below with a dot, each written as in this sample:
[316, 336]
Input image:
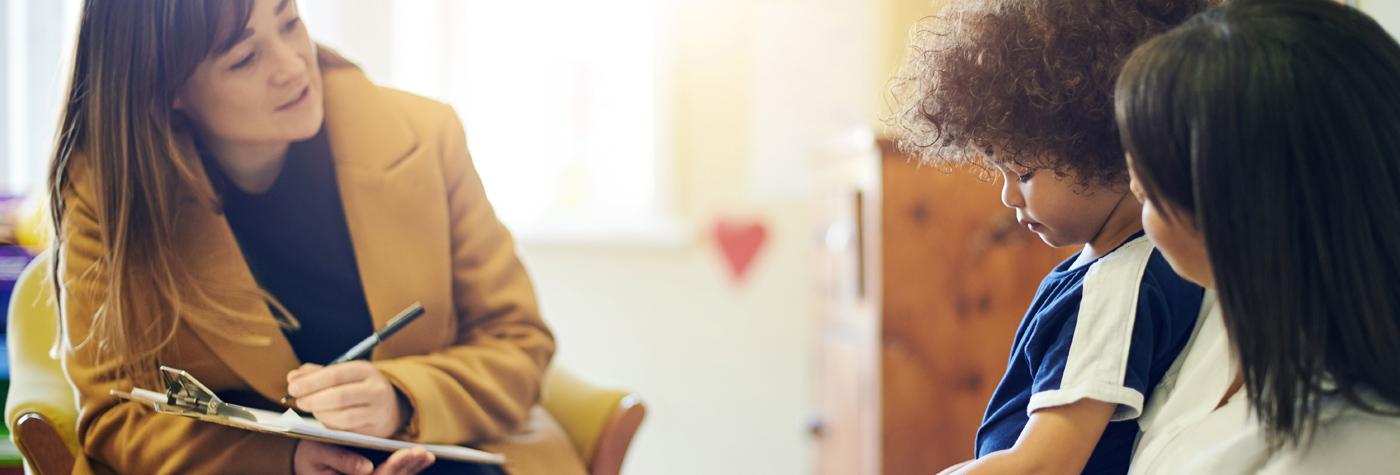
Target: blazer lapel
[395, 206]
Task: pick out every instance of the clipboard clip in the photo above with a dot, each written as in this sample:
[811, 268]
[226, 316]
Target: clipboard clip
[183, 391]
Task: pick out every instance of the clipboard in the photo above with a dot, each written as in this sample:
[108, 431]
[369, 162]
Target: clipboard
[185, 396]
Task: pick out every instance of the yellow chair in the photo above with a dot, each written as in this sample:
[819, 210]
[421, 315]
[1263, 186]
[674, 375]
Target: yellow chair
[41, 412]
[599, 421]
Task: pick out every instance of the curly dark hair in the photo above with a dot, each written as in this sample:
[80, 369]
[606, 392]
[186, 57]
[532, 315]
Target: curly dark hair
[1026, 82]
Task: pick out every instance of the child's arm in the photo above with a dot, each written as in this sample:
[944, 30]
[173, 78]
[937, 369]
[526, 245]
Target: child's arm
[954, 469]
[1056, 440]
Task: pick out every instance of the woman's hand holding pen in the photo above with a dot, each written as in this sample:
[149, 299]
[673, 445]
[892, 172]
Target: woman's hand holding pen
[353, 396]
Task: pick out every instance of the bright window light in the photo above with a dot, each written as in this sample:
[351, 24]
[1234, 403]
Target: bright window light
[559, 98]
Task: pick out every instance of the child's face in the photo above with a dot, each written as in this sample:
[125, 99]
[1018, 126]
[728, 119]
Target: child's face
[1055, 207]
[1176, 235]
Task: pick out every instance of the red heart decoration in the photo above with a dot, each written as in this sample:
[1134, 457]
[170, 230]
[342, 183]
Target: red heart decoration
[740, 243]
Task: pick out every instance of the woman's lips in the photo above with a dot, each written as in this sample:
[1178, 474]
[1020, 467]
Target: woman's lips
[305, 91]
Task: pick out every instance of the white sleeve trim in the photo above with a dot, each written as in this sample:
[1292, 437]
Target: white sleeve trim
[1129, 401]
[1097, 362]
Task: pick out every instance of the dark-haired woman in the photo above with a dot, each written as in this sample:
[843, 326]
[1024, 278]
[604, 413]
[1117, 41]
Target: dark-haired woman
[1264, 140]
[232, 202]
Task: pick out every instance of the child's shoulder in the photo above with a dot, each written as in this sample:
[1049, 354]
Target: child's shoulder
[1139, 261]
[1137, 268]
[1115, 272]
[1121, 282]
[1131, 256]
[1136, 279]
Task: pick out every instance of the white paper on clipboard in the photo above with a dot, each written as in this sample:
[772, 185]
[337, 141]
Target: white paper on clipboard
[291, 424]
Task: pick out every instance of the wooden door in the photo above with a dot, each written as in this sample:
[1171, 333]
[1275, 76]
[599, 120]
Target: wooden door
[845, 381]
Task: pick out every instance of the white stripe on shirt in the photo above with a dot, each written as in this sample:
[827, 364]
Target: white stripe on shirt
[1103, 335]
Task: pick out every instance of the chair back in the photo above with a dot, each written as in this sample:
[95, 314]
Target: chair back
[40, 408]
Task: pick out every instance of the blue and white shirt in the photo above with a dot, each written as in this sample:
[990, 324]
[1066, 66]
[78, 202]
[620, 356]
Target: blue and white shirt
[1107, 330]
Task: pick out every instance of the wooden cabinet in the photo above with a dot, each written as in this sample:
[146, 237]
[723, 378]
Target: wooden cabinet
[915, 311]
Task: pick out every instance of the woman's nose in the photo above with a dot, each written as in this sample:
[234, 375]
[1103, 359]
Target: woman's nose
[290, 64]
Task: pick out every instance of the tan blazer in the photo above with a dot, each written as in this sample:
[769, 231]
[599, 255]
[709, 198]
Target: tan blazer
[422, 230]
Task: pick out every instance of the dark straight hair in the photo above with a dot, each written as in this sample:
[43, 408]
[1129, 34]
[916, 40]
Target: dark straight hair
[1273, 126]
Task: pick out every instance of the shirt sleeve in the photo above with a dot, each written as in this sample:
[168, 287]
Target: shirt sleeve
[1107, 348]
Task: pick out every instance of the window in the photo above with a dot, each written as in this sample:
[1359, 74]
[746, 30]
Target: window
[560, 108]
[33, 64]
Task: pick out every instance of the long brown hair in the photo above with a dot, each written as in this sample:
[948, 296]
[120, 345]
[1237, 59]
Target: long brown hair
[120, 128]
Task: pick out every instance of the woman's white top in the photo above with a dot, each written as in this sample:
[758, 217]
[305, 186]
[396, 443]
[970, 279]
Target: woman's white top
[1183, 432]
[1348, 440]
[1181, 418]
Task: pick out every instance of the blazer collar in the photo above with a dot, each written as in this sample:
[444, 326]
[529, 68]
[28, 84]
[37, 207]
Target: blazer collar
[353, 106]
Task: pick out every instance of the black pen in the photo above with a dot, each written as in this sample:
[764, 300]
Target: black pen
[362, 349]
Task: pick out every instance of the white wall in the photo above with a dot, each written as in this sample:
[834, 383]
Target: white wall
[724, 367]
[1386, 12]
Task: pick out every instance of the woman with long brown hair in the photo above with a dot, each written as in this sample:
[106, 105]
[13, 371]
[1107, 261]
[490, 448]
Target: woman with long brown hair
[234, 202]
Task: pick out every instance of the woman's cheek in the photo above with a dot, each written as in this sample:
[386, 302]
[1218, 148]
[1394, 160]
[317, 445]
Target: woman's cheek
[1180, 244]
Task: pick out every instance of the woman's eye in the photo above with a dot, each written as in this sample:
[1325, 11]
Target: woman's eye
[242, 63]
[1025, 177]
[291, 25]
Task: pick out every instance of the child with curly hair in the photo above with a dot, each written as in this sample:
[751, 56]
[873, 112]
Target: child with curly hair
[1023, 90]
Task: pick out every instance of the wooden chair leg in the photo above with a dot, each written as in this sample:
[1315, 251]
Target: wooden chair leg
[41, 445]
[617, 436]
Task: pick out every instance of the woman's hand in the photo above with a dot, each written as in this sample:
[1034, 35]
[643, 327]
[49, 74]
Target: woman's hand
[351, 396]
[317, 458]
